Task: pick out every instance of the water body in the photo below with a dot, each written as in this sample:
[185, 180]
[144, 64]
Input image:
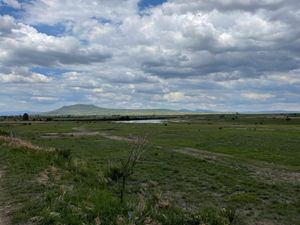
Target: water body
[142, 121]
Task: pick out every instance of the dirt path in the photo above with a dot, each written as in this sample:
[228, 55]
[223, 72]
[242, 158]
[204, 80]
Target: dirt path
[4, 220]
[84, 134]
[202, 154]
[267, 172]
[117, 138]
[69, 134]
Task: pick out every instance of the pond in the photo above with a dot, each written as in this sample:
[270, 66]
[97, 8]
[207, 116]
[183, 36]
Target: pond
[142, 121]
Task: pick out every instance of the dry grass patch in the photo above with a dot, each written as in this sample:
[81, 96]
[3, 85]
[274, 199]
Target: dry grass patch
[20, 143]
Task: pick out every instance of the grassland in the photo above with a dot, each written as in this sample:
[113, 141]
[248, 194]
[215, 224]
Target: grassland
[209, 169]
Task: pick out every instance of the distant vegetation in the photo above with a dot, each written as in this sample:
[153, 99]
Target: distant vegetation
[25, 117]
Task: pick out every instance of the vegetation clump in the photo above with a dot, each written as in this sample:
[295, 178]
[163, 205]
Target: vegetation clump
[25, 117]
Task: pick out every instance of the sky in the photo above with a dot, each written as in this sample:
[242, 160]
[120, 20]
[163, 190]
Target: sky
[220, 55]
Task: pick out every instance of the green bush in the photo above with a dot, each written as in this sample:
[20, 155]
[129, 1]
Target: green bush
[113, 172]
[65, 153]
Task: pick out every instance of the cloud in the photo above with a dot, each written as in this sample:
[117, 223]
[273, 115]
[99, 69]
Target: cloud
[16, 78]
[45, 99]
[213, 54]
[54, 11]
[22, 45]
[12, 3]
[257, 96]
[174, 96]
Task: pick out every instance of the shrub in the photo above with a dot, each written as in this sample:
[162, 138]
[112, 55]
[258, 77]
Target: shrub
[25, 117]
[64, 154]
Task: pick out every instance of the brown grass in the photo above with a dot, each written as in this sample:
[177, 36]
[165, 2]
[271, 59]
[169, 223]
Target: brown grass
[19, 143]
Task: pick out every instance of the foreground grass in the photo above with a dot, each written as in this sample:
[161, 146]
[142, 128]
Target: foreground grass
[48, 188]
[249, 164]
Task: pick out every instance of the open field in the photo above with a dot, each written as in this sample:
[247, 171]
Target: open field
[207, 169]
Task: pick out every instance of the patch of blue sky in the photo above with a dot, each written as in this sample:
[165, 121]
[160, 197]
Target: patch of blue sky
[144, 4]
[102, 20]
[52, 30]
[84, 42]
[49, 71]
[7, 10]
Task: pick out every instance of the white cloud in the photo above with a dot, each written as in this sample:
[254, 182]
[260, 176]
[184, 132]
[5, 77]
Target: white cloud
[56, 11]
[44, 98]
[257, 96]
[218, 54]
[12, 3]
[16, 78]
[174, 96]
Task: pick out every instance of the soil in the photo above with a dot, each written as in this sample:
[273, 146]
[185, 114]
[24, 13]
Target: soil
[4, 219]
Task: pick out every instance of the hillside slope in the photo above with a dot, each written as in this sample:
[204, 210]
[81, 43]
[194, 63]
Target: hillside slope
[90, 110]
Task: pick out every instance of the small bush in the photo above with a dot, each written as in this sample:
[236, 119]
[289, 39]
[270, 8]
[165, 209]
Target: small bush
[65, 154]
[25, 117]
[113, 172]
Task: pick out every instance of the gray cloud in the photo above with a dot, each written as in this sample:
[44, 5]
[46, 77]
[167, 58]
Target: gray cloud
[23, 45]
[34, 57]
[213, 54]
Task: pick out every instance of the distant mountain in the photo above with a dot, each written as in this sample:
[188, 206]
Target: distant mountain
[196, 111]
[90, 110]
[79, 109]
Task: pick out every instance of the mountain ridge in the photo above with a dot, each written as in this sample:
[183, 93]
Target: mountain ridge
[93, 110]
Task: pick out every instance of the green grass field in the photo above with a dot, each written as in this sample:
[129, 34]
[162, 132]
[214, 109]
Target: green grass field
[209, 169]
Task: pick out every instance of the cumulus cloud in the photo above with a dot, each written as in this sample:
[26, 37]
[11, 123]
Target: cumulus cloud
[16, 78]
[197, 54]
[23, 45]
[56, 11]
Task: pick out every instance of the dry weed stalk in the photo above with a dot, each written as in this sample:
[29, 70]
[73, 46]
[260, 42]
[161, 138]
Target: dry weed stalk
[127, 166]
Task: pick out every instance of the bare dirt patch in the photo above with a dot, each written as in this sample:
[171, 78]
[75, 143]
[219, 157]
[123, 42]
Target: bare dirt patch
[82, 132]
[4, 219]
[70, 134]
[45, 176]
[274, 175]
